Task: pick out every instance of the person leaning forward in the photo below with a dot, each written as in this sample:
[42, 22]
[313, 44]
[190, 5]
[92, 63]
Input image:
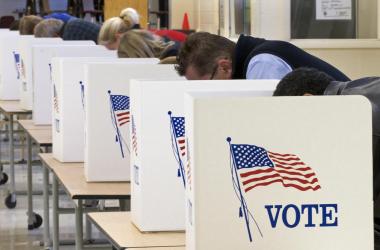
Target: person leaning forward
[206, 56]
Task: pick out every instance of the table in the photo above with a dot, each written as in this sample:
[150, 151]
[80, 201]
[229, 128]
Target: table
[9, 109]
[42, 135]
[122, 233]
[71, 177]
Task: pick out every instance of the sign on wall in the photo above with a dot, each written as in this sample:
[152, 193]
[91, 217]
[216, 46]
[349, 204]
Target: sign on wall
[333, 9]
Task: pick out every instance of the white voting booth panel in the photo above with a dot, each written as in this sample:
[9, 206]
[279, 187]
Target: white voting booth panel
[107, 116]
[42, 84]
[68, 111]
[279, 173]
[26, 67]
[9, 66]
[159, 153]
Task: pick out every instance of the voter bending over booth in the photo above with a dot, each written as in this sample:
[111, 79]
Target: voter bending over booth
[205, 56]
[308, 82]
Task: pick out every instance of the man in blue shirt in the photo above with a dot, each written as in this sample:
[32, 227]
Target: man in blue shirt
[205, 56]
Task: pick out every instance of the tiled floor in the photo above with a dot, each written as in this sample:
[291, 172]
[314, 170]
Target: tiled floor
[13, 222]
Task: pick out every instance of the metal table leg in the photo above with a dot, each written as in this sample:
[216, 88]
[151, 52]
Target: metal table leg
[79, 225]
[55, 214]
[10, 200]
[3, 176]
[46, 207]
[31, 218]
[34, 219]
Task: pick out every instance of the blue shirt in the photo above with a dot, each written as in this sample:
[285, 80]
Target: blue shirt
[267, 66]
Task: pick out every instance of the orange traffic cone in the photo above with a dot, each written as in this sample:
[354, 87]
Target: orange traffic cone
[185, 22]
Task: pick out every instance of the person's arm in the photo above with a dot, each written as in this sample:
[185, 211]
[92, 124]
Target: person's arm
[267, 66]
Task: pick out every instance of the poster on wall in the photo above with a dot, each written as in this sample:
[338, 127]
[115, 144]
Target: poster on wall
[333, 9]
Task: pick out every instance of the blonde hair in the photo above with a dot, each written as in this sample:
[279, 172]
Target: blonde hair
[127, 20]
[141, 44]
[48, 28]
[27, 24]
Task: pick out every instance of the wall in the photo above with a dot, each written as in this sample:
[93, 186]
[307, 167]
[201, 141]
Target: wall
[178, 8]
[271, 19]
[8, 6]
[356, 58]
[367, 19]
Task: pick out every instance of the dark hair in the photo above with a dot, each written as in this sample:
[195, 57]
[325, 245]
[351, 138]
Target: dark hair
[201, 50]
[303, 81]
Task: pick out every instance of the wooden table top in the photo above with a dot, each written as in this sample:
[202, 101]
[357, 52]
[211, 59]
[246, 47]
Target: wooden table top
[71, 176]
[119, 229]
[43, 137]
[29, 124]
[13, 107]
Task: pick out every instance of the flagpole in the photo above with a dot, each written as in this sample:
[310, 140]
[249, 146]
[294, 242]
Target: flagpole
[242, 200]
[82, 93]
[117, 127]
[176, 147]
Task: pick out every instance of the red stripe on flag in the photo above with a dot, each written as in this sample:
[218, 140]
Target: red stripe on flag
[124, 113]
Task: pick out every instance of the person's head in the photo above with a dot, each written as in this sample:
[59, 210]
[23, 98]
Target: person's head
[140, 44]
[27, 24]
[111, 31]
[49, 28]
[113, 28]
[205, 56]
[131, 17]
[303, 81]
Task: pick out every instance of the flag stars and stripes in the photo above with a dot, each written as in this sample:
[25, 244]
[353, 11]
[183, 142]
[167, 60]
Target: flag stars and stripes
[120, 104]
[179, 133]
[259, 167]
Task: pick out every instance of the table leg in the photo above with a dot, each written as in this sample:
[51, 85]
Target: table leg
[79, 225]
[31, 218]
[3, 176]
[88, 230]
[10, 200]
[55, 214]
[46, 207]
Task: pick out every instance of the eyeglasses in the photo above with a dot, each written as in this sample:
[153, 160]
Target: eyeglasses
[214, 72]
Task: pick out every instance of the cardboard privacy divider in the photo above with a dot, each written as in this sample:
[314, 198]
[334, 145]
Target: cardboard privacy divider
[26, 67]
[279, 173]
[159, 150]
[9, 66]
[42, 84]
[107, 117]
[68, 105]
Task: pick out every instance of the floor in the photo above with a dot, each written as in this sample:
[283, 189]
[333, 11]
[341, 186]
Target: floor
[13, 222]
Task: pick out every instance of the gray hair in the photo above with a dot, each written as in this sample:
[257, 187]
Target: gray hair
[48, 28]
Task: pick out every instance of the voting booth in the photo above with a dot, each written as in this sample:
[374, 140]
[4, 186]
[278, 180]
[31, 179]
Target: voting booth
[42, 84]
[279, 173]
[26, 67]
[107, 116]
[159, 147]
[68, 107]
[9, 66]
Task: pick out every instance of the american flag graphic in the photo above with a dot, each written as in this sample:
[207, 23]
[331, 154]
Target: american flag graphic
[17, 63]
[179, 133]
[120, 115]
[55, 100]
[258, 167]
[134, 137]
[120, 106]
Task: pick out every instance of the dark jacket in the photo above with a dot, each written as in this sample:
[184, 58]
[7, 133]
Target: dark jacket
[370, 88]
[247, 47]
